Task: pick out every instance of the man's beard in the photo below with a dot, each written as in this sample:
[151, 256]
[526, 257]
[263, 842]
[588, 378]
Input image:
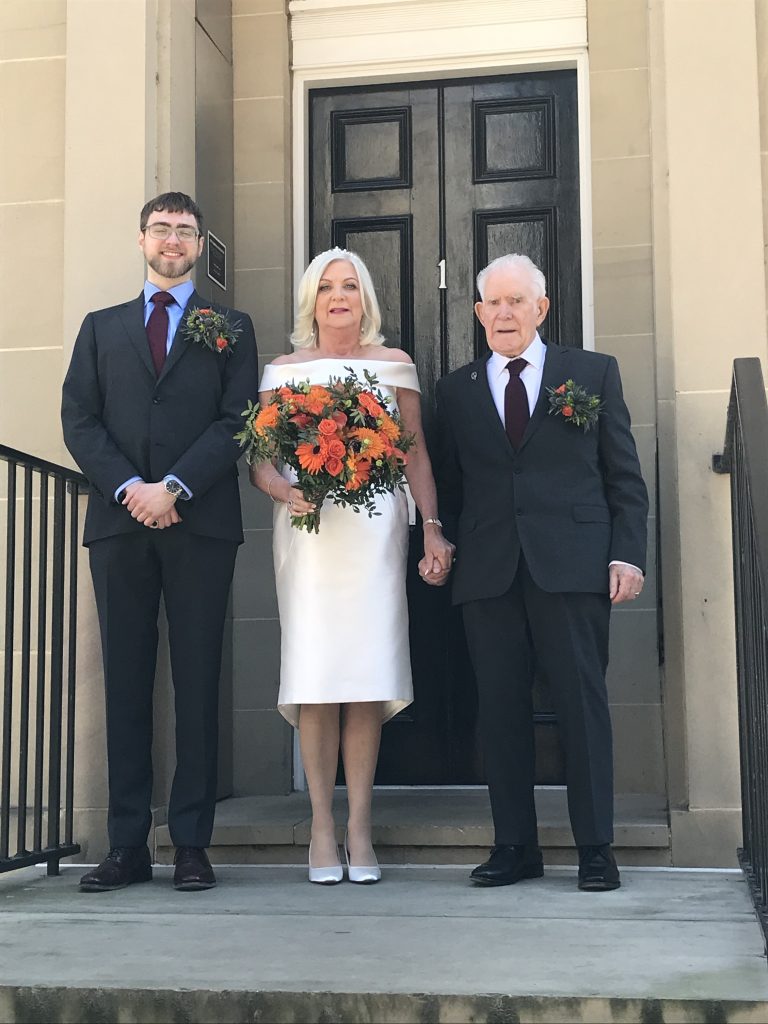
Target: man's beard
[171, 270]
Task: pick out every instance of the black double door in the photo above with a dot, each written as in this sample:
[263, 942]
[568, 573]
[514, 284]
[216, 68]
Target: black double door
[428, 182]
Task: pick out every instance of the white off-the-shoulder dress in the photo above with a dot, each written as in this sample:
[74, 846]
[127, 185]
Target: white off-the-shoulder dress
[341, 592]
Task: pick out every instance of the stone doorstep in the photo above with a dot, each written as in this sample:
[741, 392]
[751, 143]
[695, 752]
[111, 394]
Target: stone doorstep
[421, 826]
[19, 1004]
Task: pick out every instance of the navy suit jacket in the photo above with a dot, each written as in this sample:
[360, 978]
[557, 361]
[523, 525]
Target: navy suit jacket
[571, 500]
[120, 420]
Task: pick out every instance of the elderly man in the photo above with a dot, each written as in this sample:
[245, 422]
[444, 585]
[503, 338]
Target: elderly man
[540, 487]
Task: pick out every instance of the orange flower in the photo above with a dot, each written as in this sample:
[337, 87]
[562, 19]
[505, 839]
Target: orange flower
[371, 445]
[208, 310]
[339, 417]
[316, 400]
[360, 470]
[389, 428]
[301, 419]
[401, 457]
[560, 390]
[567, 410]
[334, 465]
[266, 417]
[335, 448]
[286, 393]
[310, 457]
[327, 427]
[221, 343]
[369, 403]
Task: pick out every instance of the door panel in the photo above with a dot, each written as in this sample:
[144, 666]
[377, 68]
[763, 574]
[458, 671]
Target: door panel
[449, 174]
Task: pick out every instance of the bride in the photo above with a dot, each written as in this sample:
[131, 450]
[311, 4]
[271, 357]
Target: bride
[345, 665]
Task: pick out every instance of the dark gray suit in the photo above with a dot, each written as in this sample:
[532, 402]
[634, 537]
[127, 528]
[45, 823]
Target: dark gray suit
[535, 531]
[121, 421]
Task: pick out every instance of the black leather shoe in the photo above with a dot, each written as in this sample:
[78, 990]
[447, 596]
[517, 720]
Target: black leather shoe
[509, 864]
[597, 869]
[193, 870]
[123, 865]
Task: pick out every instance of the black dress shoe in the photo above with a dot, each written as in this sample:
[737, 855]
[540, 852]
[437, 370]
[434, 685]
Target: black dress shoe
[193, 870]
[509, 864]
[123, 865]
[597, 869]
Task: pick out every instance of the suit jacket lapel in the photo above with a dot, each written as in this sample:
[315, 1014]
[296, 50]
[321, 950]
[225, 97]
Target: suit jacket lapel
[555, 373]
[180, 342]
[132, 318]
[483, 401]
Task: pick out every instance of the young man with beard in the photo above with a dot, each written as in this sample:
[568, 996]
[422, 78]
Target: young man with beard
[149, 413]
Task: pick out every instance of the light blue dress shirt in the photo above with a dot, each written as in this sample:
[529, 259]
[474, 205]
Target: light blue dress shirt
[182, 294]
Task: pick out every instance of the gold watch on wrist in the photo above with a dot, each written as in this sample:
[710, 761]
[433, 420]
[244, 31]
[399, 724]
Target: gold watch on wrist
[433, 520]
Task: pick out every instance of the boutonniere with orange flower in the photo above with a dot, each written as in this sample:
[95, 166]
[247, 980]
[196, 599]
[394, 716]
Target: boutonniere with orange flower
[575, 405]
[213, 329]
[341, 441]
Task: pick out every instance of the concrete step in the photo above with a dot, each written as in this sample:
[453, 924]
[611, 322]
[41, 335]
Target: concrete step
[422, 946]
[421, 826]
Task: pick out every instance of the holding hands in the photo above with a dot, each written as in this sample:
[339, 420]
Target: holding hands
[435, 566]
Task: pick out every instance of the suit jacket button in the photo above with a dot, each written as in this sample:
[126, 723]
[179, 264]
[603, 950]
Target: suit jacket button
[155, 401]
[518, 511]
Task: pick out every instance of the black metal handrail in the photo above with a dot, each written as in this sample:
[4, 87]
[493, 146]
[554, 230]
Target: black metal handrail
[745, 457]
[37, 755]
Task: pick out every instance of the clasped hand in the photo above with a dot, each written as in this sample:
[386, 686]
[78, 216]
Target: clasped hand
[435, 566]
[151, 505]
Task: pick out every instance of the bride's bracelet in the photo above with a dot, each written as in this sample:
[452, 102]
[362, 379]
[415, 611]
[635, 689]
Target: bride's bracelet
[269, 487]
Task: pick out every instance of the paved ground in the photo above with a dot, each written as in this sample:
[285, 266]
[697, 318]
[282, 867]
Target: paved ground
[666, 936]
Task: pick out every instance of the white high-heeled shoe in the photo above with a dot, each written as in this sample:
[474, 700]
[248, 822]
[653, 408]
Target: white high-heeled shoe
[325, 876]
[363, 876]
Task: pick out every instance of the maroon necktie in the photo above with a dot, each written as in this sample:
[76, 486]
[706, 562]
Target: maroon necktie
[157, 329]
[516, 413]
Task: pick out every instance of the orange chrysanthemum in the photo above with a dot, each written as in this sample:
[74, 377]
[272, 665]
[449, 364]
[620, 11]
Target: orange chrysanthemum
[371, 445]
[389, 428]
[316, 400]
[266, 417]
[310, 457]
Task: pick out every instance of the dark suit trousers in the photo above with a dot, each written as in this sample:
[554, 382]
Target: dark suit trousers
[193, 574]
[565, 638]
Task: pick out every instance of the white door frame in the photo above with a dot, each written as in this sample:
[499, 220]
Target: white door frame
[351, 42]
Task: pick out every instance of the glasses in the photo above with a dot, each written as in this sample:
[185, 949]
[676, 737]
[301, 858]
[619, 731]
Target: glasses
[161, 232]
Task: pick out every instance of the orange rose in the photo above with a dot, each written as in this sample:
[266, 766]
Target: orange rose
[205, 311]
[301, 419]
[369, 403]
[334, 466]
[567, 410]
[560, 390]
[336, 448]
[221, 343]
[327, 427]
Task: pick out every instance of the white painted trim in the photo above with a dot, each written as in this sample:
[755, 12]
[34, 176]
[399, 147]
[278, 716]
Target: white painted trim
[552, 37]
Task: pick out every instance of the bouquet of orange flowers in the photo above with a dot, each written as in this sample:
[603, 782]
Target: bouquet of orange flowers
[341, 441]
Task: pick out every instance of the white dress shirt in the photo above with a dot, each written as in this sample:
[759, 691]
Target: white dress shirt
[531, 375]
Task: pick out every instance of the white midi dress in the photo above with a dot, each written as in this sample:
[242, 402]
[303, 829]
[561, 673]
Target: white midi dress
[341, 592]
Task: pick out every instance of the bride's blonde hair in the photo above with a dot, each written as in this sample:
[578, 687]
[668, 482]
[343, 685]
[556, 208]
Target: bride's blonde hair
[304, 334]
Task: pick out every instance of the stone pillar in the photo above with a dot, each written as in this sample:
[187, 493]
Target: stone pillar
[710, 308]
[129, 134]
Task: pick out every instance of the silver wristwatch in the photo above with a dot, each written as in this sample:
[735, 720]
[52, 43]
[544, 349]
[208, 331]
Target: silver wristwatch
[174, 487]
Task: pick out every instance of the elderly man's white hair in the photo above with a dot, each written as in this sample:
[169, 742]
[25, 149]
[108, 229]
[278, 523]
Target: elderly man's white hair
[516, 261]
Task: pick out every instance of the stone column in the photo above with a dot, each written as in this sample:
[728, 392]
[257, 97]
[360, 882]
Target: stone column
[710, 308]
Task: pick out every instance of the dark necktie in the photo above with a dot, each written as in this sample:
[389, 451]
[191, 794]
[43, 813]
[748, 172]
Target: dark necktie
[516, 413]
[157, 329]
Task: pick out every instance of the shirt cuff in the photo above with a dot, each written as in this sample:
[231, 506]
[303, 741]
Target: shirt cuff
[122, 487]
[628, 564]
[187, 493]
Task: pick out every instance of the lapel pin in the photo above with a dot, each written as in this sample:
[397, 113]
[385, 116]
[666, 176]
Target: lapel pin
[474, 375]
